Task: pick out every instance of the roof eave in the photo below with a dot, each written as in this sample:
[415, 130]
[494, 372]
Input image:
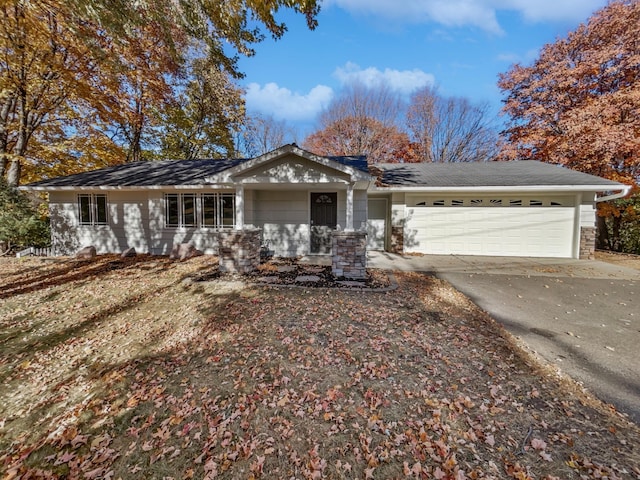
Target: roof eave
[126, 188]
[500, 188]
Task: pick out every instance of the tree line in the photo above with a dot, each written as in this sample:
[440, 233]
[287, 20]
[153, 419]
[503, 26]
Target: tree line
[374, 121]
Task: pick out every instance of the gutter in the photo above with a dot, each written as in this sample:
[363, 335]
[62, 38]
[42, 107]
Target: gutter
[504, 189]
[625, 191]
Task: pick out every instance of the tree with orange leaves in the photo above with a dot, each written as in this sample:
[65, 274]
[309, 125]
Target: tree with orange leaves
[578, 104]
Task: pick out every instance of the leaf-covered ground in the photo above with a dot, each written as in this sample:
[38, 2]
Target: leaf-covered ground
[121, 369]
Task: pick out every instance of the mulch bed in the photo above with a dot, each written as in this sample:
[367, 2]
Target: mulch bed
[278, 272]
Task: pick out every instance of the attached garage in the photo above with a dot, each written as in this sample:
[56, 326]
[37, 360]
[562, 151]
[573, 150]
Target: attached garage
[520, 208]
[494, 225]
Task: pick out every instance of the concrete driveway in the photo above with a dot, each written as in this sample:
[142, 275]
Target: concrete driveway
[581, 315]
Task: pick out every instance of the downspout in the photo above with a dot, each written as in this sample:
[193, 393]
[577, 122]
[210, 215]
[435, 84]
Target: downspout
[625, 191]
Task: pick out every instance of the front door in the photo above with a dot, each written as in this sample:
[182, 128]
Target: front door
[324, 218]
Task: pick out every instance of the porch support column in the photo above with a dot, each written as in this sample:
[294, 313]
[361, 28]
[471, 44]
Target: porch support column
[349, 226]
[239, 207]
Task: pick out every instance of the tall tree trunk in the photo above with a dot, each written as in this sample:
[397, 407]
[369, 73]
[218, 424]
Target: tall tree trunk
[3, 162]
[13, 174]
[5, 113]
[602, 236]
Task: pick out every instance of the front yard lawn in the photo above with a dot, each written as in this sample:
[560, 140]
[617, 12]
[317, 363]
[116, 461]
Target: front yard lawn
[114, 368]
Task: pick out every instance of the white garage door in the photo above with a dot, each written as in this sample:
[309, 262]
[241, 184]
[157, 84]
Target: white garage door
[498, 226]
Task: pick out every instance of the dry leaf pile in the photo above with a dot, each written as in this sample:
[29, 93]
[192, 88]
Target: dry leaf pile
[120, 369]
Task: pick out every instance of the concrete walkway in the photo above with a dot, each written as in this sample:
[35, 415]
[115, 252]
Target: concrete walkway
[581, 315]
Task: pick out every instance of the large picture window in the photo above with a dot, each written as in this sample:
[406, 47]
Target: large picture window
[218, 210]
[210, 210]
[92, 209]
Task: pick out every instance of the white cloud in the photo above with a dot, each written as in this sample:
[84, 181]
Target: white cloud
[553, 10]
[477, 13]
[512, 58]
[284, 104]
[402, 81]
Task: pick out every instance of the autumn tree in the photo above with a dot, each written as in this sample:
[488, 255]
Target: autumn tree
[262, 133]
[225, 28]
[207, 113]
[42, 71]
[578, 104]
[105, 67]
[360, 136]
[360, 121]
[142, 70]
[450, 129]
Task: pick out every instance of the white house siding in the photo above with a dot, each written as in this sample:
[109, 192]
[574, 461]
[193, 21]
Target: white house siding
[127, 223]
[588, 210]
[359, 209]
[162, 238]
[284, 219]
[283, 216]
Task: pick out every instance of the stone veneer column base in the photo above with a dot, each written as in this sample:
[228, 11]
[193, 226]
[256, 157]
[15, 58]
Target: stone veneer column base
[397, 239]
[349, 258]
[239, 250]
[587, 243]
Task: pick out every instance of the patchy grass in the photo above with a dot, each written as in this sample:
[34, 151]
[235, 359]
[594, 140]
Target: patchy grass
[120, 369]
[624, 259]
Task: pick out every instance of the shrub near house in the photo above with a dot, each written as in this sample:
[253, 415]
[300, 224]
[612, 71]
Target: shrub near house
[20, 223]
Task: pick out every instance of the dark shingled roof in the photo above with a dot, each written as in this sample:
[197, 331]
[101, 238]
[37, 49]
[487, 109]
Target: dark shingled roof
[358, 162]
[163, 172]
[144, 174]
[194, 172]
[486, 174]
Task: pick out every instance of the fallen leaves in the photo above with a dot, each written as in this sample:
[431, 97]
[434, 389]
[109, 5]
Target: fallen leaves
[266, 383]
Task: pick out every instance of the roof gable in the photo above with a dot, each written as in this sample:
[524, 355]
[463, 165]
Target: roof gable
[352, 168]
[291, 169]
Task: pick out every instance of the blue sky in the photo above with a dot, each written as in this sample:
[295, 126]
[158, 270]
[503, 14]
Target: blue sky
[458, 45]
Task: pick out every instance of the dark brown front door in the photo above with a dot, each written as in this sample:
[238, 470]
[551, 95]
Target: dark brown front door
[324, 218]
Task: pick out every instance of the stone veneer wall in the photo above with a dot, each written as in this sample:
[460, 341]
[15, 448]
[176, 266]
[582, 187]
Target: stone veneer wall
[349, 258]
[587, 243]
[239, 250]
[397, 239]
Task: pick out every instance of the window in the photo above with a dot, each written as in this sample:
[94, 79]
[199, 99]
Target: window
[218, 210]
[211, 210]
[92, 209]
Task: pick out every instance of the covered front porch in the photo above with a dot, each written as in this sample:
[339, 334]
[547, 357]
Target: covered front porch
[299, 204]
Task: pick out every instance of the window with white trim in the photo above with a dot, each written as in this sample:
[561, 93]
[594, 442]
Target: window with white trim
[218, 210]
[92, 209]
[208, 210]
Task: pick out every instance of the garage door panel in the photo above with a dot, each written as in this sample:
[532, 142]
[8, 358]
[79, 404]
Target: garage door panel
[496, 231]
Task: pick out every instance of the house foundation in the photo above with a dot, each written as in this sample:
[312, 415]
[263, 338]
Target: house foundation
[349, 257]
[239, 250]
[587, 243]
